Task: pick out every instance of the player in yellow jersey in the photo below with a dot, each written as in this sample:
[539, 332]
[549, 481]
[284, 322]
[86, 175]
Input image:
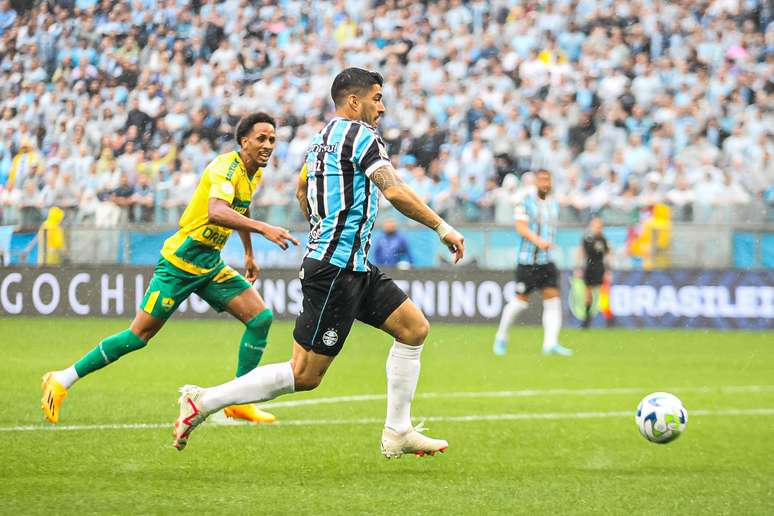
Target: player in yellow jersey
[191, 263]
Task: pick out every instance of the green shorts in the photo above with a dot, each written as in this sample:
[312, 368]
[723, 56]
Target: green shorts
[170, 286]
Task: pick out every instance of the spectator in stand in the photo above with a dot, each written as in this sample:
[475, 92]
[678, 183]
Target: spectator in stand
[23, 163]
[142, 201]
[123, 196]
[502, 89]
[66, 197]
[31, 204]
[390, 247]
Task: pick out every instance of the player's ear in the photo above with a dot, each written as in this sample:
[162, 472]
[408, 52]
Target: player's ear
[354, 102]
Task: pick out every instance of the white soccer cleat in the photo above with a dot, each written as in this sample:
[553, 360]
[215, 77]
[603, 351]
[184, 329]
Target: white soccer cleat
[413, 441]
[191, 414]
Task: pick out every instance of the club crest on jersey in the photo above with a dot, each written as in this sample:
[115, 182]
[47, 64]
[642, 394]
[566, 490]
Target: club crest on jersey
[330, 337]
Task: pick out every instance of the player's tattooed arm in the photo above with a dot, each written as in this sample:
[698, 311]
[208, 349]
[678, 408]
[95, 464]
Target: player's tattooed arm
[411, 205]
[403, 197]
[385, 177]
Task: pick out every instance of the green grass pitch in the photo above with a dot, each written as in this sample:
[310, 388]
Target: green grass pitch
[528, 434]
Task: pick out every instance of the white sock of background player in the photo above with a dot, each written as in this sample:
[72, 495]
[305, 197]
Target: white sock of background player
[552, 322]
[510, 312]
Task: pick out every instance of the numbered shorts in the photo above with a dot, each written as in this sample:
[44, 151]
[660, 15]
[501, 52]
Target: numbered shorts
[334, 298]
[532, 277]
[170, 286]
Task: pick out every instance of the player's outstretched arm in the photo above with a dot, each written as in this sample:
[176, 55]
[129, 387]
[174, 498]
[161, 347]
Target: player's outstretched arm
[409, 204]
[219, 212]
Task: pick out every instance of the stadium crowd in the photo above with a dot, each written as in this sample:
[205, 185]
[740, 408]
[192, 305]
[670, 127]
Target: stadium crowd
[110, 110]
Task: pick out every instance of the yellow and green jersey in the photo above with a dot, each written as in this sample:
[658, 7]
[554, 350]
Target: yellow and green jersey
[195, 248]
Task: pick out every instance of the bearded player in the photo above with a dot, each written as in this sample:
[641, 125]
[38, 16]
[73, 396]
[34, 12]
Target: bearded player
[191, 263]
[536, 218]
[347, 167]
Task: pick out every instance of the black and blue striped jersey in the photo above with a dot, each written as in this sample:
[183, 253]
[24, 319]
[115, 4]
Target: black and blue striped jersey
[542, 215]
[342, 200]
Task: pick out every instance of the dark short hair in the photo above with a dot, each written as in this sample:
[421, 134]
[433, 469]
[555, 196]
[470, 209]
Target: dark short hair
[353, 80]
[246, 124]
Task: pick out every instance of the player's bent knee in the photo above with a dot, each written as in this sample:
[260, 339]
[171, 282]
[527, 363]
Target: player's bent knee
[415, 334]
[307, 382]
[262, 321]
[144, 334]
[422, 329]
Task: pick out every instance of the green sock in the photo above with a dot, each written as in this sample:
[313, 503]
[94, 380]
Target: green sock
[253, 342]
[109, 350]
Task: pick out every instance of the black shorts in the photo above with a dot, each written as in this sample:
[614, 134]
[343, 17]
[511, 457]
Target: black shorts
[335, 297]
[531, 277]
[593, 277]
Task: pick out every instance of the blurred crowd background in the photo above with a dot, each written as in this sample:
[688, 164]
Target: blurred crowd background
[110, 110]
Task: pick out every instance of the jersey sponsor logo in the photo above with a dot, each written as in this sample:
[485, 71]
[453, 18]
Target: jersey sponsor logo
[213, 236]
[330, 337]
[231, 169]
[318, 147]
[227, 188]
[168, 303]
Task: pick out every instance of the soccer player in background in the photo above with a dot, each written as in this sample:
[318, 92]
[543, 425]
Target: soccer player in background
[191, 263]
[536, 219]
[346, 167]
[593, 255]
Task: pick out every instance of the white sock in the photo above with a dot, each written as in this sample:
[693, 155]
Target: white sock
[402, 376]
[261, 384]
[66, 377]
[552, 322]
[510, 312]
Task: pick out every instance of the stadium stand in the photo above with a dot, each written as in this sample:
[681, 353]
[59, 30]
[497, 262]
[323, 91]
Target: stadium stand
[629, 103]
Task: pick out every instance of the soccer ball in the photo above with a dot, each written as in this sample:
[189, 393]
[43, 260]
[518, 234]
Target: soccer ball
[661, 417]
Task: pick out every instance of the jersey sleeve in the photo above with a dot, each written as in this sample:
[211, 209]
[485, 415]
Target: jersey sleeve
[221, 181]
[370, 153]
[520, 212]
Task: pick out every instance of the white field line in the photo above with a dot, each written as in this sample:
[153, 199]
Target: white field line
[556, 416]
[219, 420]
[523, 394]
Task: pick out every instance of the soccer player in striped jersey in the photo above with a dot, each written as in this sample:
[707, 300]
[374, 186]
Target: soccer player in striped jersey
[536, 218]
[346, 168]
[190, 262]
